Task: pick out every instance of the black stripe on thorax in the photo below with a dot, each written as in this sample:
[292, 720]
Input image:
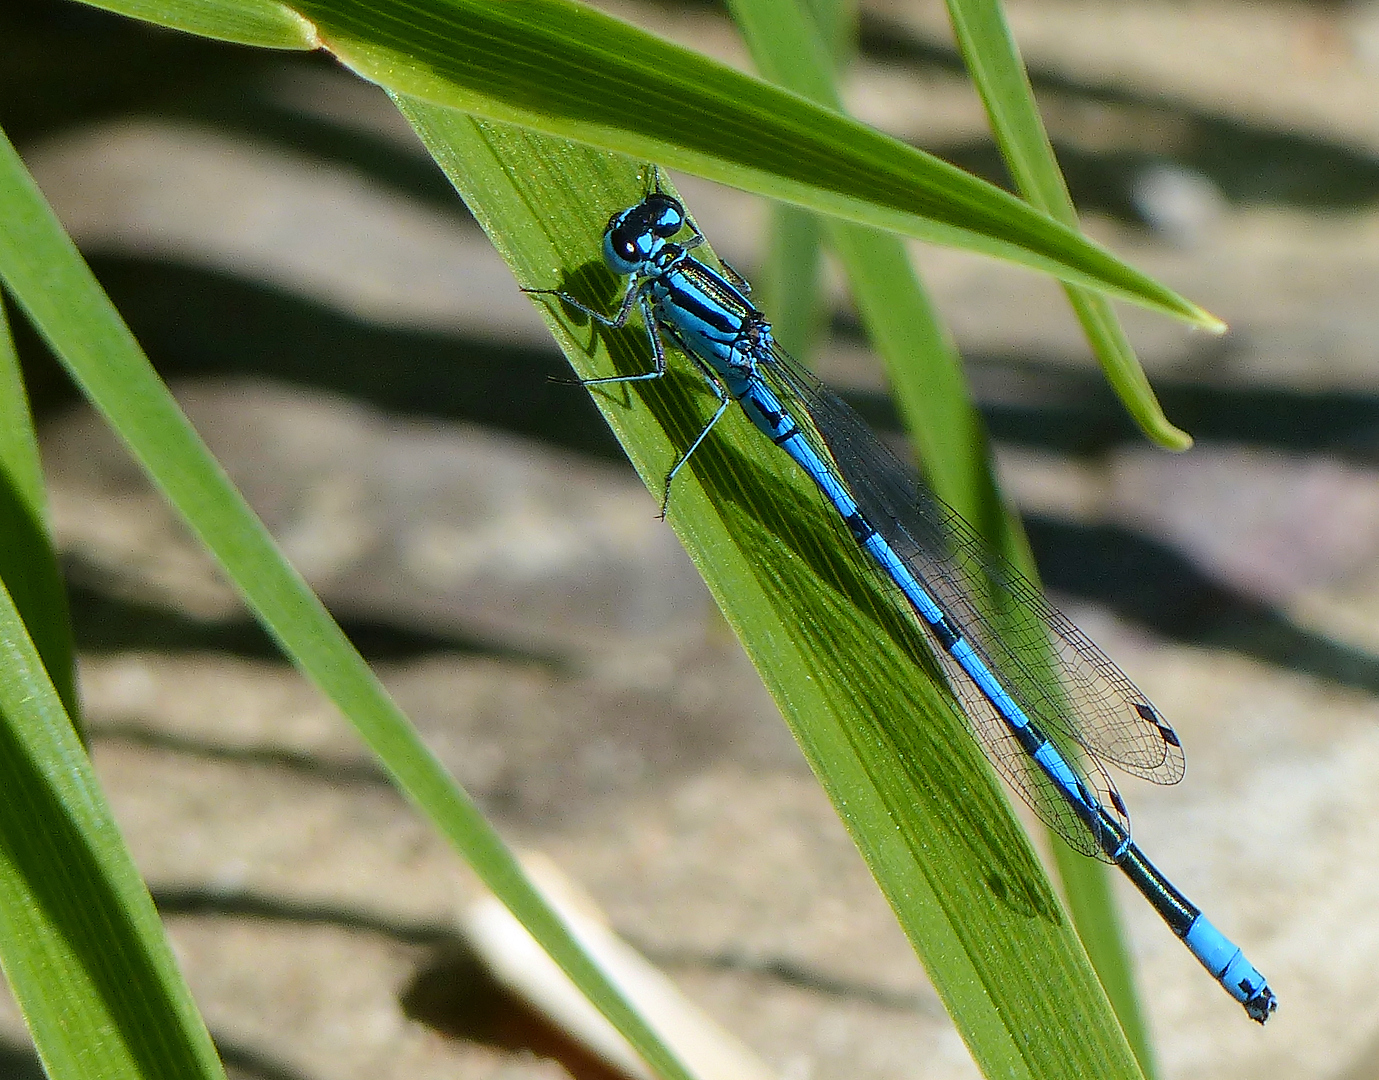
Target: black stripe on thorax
[721, 319]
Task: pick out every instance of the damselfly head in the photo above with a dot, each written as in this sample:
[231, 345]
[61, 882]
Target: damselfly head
[633, 235]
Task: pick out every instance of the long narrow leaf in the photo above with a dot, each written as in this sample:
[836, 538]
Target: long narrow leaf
[989, 50]
[82, 946]
[788, 283]
[568, 70]
[27, 560]
[935, 402]
[55, 287]
[246, 22]
[994, 61]
[789, 278]
[900, 319]
[891, 751]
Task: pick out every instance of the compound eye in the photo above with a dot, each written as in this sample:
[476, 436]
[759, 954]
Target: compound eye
[625, 247]
[624, 243]
[666, 215]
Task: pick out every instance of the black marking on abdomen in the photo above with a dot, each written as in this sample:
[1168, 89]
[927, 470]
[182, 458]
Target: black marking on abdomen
[859, 526]
[946, 633]
[775, 416]
[1030, 737]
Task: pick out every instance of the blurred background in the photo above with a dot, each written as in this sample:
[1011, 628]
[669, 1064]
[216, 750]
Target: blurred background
[362, 363]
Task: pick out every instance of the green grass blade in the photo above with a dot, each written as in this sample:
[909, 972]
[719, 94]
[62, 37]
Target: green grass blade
[951, 441]
[788, 285]
[246, 22]
[567, 70]
[901, 322]
[82, 946]
[55, 287]
[1112, 348]
[27, 559]
[994, 62]
[1087, 885]
[943, 422]
[844, 666]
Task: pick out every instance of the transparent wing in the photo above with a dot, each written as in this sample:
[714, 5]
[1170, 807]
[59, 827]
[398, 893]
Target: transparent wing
[1024, 775]
[1068, 686]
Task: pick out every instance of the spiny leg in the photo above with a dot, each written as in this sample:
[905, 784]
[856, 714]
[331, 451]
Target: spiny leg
[658, 352]
[635, 289]
[670, 476]
[710, 377]
[695, 237]
[636, 296]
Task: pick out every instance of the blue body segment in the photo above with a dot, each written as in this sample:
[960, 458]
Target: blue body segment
[1224, 960]
[1047, 729]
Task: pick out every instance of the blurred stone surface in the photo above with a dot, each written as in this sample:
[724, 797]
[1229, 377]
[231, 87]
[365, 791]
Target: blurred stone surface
[1178, 203]
[142, 185]
[510, 545]
[1274, 524]
[1297, 531]
[1298, 288]
[1286, 64]
[671, 790]
[576, 678]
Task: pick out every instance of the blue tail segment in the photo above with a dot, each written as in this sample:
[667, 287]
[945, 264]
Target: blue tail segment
[1049, 728]
[1214, 951]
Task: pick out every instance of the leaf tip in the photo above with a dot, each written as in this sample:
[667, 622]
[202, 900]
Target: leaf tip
[1172, 438]
[1212, 324]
